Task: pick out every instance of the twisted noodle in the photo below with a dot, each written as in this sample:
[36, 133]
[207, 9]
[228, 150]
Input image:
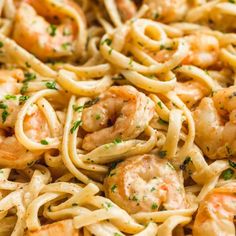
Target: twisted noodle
[117, 117]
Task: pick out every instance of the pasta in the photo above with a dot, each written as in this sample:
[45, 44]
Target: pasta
[117, 117]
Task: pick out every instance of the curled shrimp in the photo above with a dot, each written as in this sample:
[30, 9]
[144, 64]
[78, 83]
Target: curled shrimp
[216, 212]
[145, 183]
[166, 11]
[215, 121]
[204, 50]
[13, 154]
[42, 32]
[121, 112]
[35, 124]
[190, 92]
[60, 228]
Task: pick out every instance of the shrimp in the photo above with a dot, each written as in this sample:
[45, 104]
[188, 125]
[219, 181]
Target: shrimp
[166, 11]
[9, 82]
[60, 228]
[190, 92]
[35, 124]
[215, 121]
[15, 155]
[122, 112]
[204, 50]
[126, 8]
[216, 213]
[145, 183]
[50, 39]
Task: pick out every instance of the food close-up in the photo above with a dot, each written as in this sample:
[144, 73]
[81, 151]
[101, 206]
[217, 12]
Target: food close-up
[117, 118]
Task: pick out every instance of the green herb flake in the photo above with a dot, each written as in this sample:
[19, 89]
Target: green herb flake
[162, 122]
[152, 189]
[52, 30]
[5, 114]
[24, 88]
[97, 117]
[154, 206]
[2, 105]
[160, 104]
[117, 234]
[131, 62]
[75, 204]
[232, 164]
[10, 97]
[227, 174]
[27, 64]
[23, 98]
[106, 41]
[1, 44]
[44, 142]
[91, 102]
[76, 124]
[29, 77]
[231, 1]
[107, 205]
[117, 140]
[134, 198]
[66, 45]
[51, 85]
[162, 154]
[78, 108]
[113, 187]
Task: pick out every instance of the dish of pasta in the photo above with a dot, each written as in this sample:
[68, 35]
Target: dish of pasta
[117, 117]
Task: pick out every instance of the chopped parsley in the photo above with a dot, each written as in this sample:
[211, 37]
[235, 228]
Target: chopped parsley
[117, 234]
[107, 205]
[65, 46]
[231, 1]
[51, 85]
[1, 44]
[130, 62]
[52, 30]
[160, 104]
[23, 98]
[78, 108]
[44, 142]
[154, 206]
[113, 187]
[134, 198]
[163, 122]
[232, 164]
[106, 41]
[156, 16]
[91, 102]
[9, 97]
[117, 140]
[76, 124]
[152, 189]
[29, 77]
[5, 114]
[24, 88]
[2, 105]
[227, 174]
[97, 117]
[162, 154]
[27, 64]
